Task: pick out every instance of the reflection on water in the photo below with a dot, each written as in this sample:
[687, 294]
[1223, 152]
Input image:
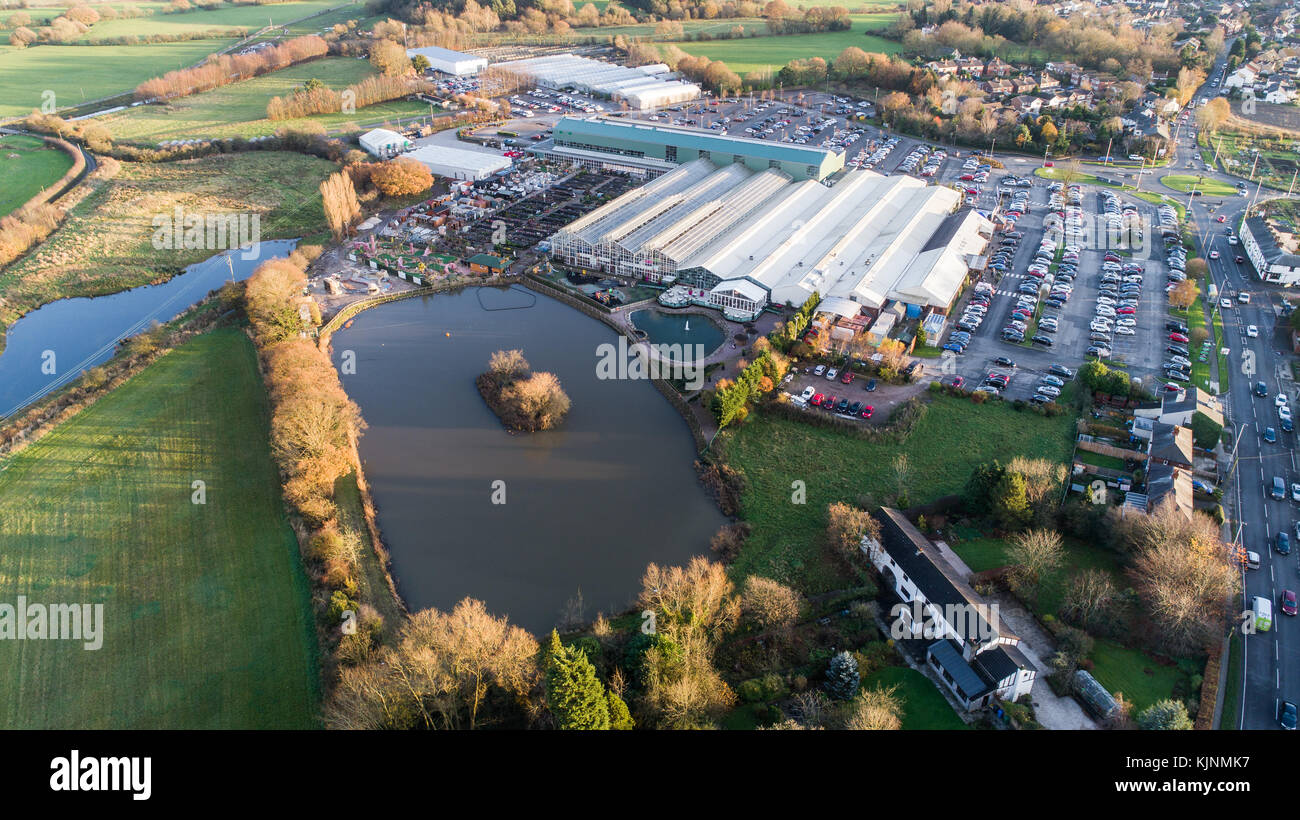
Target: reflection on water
[587, 506]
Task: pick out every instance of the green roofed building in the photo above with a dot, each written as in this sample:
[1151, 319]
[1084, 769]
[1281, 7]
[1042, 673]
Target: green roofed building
[599, 141]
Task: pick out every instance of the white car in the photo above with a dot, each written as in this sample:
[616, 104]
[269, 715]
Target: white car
[1280, 400]
[832, 373]
[1214, 254]
[1243, 297]
[1125, 321]
[807, 393]
[1225, 303]
[820, 369]
[1252, 331]
[1284, 413]
[1125, 330]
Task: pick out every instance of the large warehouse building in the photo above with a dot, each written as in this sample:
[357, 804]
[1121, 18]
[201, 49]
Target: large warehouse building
[448, 61]
[460, 163]
[737, 238]
[383, 143]
[642, 88]
[609, 141]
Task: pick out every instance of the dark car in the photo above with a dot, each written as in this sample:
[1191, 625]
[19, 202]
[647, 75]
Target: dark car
[1182, 351]
[1045, 341]
[1261, 389]
[1270, 435]
[1288, 602]
[1175, 327]
[855, 408]
[842, 406]
[1283, 544]
[1286, 714]
[1287, 425]
[1003, 361]
[1061, 370]
[871, 385]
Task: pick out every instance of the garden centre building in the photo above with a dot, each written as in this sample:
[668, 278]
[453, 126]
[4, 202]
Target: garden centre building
[448, 61]
[641, 88]
[737, 239]
[613, 143]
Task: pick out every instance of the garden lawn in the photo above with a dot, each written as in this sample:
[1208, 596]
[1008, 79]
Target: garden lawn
[206, 609]
[1209, 187]
[948, 442]
[984, 553]
[924, 706]
[28, 166]
[106, 243]
[771, 53]
[239, 109]
[1141, 680]
[77, 74]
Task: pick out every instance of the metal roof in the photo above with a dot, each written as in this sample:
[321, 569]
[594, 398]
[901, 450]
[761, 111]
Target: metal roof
[697, 139]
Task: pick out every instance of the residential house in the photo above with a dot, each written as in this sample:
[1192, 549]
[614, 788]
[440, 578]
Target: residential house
[1171, 444]
[965, 645]
[996, 87]
[1025, 105]
[1167, 483]
[997, 68]
[1271, 252]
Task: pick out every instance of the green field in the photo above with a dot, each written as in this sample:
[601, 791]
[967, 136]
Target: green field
[240, 109]
[67, 71]
[924, 706]
[1208, 187]
[106, 243]
[28, 166]
[206, 620]
[251, 17]
[771, 53]
[953, 437]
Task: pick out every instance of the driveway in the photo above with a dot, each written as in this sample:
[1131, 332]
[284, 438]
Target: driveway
[1053, 712]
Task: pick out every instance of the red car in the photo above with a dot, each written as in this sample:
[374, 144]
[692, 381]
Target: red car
[957, 381]
[1178, 337]
[966, 177]
[1125, 311]
[1288, 602]
[1221, 218]
[1240, 259]
[867, 411]
[1171, 387]
[829, 403]
[847, 378]
[817, 400]
[1048, 164]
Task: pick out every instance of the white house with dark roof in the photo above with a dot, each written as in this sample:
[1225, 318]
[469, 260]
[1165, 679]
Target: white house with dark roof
[977, 658]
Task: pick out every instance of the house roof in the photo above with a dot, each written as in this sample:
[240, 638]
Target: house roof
[1171, 443]
[487, 260]
[914, 555]
[1167, 483]
[995, 664]
[1273, 254]
[972, 684]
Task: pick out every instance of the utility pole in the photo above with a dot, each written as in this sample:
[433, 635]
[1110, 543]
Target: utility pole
[1253, 165]
[1107, 158]
[1291, 187]
[1217, 145]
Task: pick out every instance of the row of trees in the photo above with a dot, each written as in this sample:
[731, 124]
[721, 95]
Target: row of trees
[314, 97]
[731, 397]
[223, 69]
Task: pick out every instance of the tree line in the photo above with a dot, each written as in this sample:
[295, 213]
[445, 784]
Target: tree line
[224, 69]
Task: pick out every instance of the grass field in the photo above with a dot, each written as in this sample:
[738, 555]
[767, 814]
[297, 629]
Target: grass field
[224, 17]
[771, 53]
[1141, 680]
[924, 706]
[1208, 187]
[28, 166]
[206, 610]
[953, 437]
[240, 109]
[76, 74]
[105, 245]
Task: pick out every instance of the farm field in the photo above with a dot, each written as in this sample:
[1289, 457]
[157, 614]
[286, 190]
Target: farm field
[206, 621]
[105, 244]
[26, 74]
[950, 440]
[240, 109]
[28, 166]
[251, 17]
[771, 53]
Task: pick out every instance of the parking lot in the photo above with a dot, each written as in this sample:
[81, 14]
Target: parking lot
[1103, 254]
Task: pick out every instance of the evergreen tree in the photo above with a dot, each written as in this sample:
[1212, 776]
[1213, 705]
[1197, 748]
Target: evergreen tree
[842, 678]
[619, 717]
[1010, 502]
[575, 695]
[979, 487]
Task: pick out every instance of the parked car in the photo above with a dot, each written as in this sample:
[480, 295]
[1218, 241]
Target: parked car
[871, 385]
